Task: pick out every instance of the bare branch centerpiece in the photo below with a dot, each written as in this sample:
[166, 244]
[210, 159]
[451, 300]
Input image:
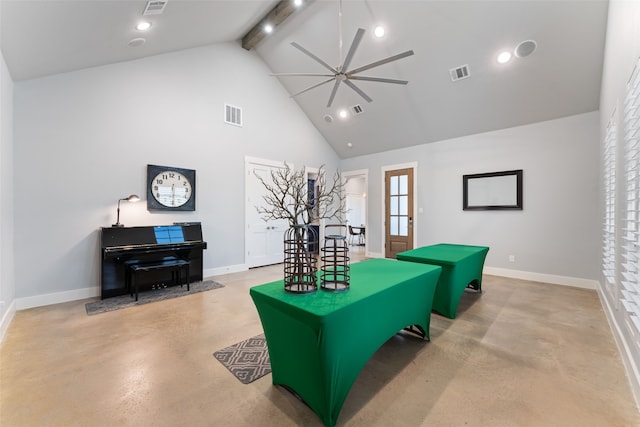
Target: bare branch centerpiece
[291, 196]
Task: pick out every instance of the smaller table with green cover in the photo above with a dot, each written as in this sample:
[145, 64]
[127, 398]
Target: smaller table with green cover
[318, 343]
[461, 268]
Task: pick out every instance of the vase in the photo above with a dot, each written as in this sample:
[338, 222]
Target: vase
[300, 263]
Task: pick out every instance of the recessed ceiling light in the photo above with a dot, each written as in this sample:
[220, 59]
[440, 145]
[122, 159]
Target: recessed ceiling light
[297, 3]
[143, 26]
[504, 57]
[268, 28]
[379, 31]
[349, 144]
[343, 114]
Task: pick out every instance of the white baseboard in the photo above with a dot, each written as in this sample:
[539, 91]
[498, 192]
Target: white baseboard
[7, 318]
[224, 270]
[631, 369]
[527, 275]
[541, 277]
[56, 298]
[66, 296]
[374, 255]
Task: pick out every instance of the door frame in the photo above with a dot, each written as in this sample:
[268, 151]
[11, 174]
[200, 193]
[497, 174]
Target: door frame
[364, 173]
[383, 169]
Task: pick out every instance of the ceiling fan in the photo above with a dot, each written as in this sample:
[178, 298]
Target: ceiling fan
[342, 73]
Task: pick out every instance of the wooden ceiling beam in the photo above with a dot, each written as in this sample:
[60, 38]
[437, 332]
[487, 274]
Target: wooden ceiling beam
[275, 17]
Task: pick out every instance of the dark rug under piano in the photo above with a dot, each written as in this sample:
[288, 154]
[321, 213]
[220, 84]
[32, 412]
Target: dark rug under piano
[124, 301]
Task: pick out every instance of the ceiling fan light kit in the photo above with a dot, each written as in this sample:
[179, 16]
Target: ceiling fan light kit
[342, 73]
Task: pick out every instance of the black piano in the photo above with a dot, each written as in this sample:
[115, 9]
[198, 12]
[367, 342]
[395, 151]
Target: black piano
[122, 246]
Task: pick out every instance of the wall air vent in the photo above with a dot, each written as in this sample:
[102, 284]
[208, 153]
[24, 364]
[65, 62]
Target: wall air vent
[357, 109]
[459, 73]
[232, 115]
[154, 7]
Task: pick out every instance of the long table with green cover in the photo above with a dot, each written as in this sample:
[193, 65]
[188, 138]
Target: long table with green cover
[461, 268]
[318, 343]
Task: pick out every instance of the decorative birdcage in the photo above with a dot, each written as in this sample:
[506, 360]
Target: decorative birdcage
[334, 272]
[300, 268]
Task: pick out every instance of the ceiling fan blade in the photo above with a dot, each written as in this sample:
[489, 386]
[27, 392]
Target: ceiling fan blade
[318, 60]
[379, 79]
[381, 62]
[312, 87]
[302, 74]
[352, 49]
[358, 90]
[333, 93]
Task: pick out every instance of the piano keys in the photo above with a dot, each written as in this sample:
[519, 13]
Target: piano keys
[122, 246]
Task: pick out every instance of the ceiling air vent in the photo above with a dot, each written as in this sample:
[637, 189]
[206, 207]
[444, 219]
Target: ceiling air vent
[232, 115]
[154, 7]
[357, 109]
[459, 73]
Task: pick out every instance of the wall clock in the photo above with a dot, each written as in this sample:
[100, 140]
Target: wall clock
[171, 189]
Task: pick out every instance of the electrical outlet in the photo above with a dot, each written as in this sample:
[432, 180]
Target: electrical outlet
[512, 258]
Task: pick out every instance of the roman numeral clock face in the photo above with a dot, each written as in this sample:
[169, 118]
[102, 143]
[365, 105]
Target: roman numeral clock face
[170, 188]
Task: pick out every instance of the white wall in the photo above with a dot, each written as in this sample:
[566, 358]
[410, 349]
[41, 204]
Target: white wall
[7, 286]
[621, 55]
[557, 235]
[83, 140]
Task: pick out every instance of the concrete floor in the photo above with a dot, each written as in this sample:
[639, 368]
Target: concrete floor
[519, 354]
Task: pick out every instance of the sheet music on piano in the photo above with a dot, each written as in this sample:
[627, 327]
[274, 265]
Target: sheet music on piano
[122, 246]
[168, 234]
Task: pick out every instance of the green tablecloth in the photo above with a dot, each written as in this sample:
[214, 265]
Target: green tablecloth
[461, 267]
[318, 343]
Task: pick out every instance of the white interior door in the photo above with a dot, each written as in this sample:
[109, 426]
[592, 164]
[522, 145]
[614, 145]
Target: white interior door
[356, 210]
[263, 240]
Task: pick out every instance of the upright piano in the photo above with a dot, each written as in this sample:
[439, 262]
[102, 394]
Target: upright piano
[122, 246]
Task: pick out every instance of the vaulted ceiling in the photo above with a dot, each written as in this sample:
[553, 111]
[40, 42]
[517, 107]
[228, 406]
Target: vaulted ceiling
[561, 77]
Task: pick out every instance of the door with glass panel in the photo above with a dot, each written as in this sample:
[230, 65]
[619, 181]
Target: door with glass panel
[398, 211]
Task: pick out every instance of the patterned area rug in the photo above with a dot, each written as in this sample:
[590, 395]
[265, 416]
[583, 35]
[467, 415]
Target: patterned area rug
[124, 301]
[247, 360]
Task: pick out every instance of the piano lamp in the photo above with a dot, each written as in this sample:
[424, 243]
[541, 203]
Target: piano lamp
[131, 198]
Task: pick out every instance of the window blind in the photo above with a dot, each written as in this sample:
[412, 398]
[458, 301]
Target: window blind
[630, 226]
[609, 225]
